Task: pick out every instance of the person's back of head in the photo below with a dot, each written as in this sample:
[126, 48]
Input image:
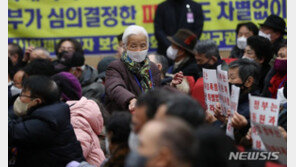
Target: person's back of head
[159, 59]
[39, 67]
[69, 86]
[168, 141]
[186, 108]
[214, 148]
[178, 136]
[102, 66]
[152, 100]
[39, 52]
[246, 69]
[119, 125]
[42, 87]
[262, 48]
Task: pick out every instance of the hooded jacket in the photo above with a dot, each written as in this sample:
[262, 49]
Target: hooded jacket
[87, 121]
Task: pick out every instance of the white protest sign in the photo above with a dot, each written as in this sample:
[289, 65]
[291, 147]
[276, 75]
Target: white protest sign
[224, 97]
[210, 89]
[263, 111]
[273, 140]
[233, 108]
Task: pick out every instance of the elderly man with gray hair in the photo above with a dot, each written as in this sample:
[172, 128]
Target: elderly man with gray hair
[133, 74]
[33, 53]
[206, 56]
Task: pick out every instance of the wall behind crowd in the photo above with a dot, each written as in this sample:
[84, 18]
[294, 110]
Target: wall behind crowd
[96, 23]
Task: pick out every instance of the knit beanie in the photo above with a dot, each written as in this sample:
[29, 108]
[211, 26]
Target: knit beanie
[69, 86]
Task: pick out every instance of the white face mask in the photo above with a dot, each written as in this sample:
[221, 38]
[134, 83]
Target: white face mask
[20, 108]
[246, 57]
[172, 53]
[137, 56]
[241, 42]
[262, 34]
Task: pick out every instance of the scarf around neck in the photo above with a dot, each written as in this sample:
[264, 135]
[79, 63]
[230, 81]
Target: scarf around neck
[140, 71]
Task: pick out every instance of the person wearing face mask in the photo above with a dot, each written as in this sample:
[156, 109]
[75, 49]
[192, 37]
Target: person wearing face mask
[258, 49]
[274, 29]
[133, 74]
[15, 87]
[69, 45]
[243, 32]
[118, 130]
[277, 76]
[244, 74]
[166, 142]
[206, 56]
[44, 135]
[181, 52]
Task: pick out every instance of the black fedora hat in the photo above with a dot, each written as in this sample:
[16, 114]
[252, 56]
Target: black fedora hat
[275, 22]
[185, 39]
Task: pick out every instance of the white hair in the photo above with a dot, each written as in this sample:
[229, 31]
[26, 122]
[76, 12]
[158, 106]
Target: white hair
[134, 30]
[45, 51]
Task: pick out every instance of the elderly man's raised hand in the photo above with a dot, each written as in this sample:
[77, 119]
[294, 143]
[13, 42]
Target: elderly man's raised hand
[132, 104]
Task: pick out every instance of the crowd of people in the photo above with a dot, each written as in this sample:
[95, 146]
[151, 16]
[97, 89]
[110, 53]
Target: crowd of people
[137, 108]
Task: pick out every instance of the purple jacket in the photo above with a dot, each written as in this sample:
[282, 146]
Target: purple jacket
[121, 85]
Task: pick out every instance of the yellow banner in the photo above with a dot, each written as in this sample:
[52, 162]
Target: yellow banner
[96, 23]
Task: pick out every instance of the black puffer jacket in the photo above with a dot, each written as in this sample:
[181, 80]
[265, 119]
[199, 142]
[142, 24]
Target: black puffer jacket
[45, 137]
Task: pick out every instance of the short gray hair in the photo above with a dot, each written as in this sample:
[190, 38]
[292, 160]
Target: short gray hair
[207, 47]
[134, 30]
[45, 51]
[161, 60]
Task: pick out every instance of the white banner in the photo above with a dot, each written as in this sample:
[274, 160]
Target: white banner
[273, 140]
[210, 89]
[264, 111]
[233, 108]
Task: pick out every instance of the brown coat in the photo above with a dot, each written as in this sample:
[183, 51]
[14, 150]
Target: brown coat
[121, 85]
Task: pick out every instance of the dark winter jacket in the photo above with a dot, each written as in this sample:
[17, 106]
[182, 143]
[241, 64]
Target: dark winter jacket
[189, 68]
[170, 16]
[91, 88]
[236, 52]
[45, 137]
[121, 85]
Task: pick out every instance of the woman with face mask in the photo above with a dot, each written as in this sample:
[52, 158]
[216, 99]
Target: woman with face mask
[279, 78]
[243, 32]
[133, 74]
[258, 49]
